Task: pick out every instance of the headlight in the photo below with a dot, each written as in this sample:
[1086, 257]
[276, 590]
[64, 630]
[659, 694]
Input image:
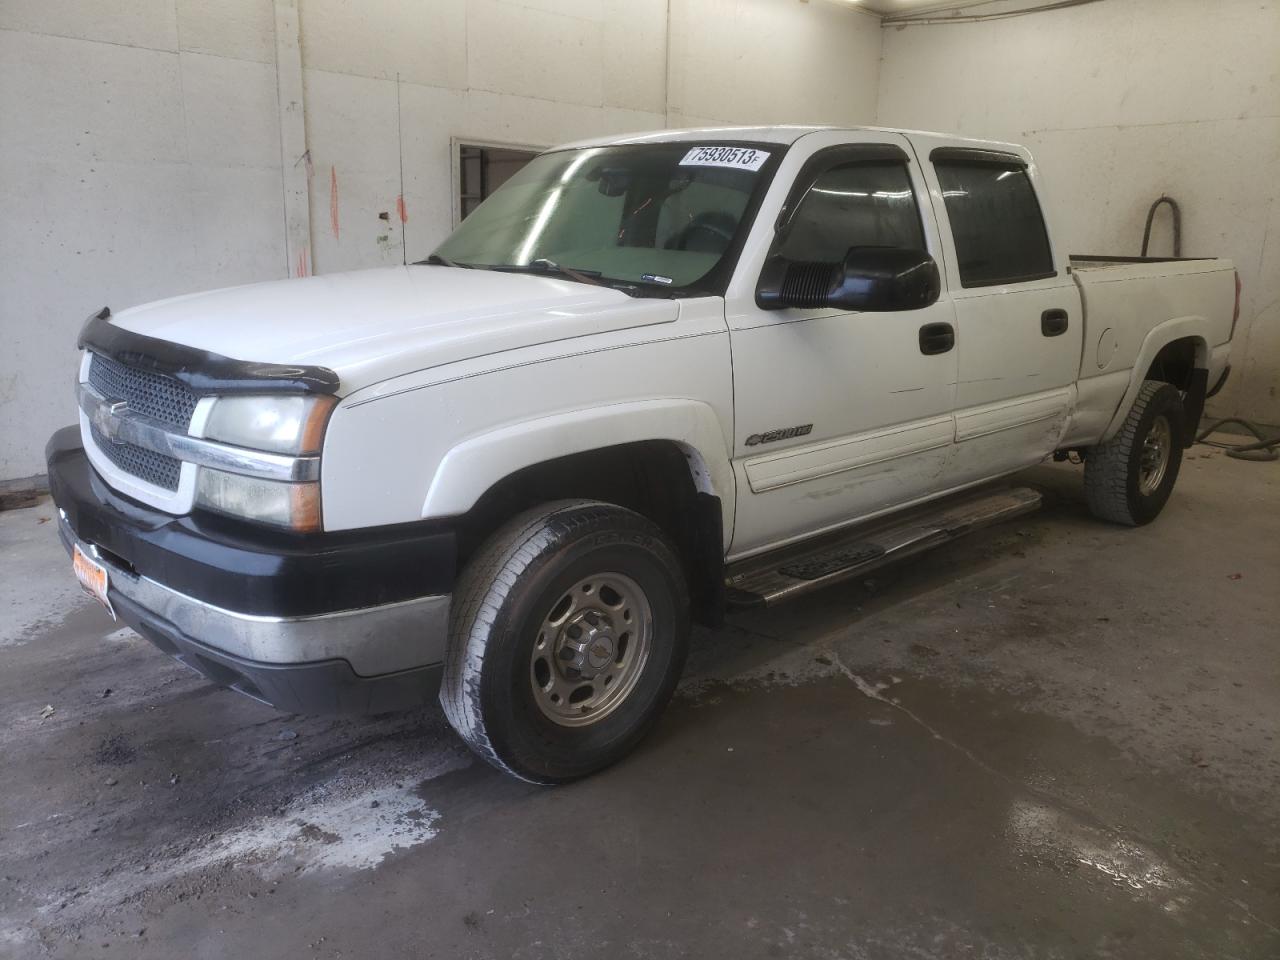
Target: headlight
[292, 505]
[289, 424]
[280, 424]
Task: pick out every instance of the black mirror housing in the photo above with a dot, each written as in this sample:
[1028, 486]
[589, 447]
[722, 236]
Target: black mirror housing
[877, 279]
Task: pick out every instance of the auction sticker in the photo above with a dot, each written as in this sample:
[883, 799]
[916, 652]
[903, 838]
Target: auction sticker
[740, 158]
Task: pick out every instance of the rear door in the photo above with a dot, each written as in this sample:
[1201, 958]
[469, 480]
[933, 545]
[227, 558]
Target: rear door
[1019, 322]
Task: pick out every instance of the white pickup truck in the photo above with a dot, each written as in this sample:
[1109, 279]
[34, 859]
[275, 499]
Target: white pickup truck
[649, 378]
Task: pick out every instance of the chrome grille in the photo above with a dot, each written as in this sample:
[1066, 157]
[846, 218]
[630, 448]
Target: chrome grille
[147, 465]
[152, 395]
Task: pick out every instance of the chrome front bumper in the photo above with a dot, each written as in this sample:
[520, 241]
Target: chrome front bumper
[367, 660]
[383, 639]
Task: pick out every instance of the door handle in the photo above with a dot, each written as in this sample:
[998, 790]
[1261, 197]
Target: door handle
[1053, 323]
[937, 338]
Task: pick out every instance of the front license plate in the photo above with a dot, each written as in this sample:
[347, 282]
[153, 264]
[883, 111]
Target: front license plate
[92, 576]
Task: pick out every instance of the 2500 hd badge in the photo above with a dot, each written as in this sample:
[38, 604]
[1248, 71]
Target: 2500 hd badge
[783, 433]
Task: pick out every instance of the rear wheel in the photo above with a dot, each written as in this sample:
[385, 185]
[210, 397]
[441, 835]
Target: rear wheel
[569, 631]
[1129, 478]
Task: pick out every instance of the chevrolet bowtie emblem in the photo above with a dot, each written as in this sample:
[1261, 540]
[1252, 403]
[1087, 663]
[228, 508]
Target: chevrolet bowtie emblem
[106, 417]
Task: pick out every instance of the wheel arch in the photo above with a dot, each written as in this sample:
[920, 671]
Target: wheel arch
[478, 463]
[666, 460]
[1175, 352]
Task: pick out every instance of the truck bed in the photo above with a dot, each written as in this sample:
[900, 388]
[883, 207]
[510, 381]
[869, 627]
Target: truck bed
[1126, 298]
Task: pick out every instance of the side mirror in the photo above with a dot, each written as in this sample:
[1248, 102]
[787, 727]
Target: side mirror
[870, 278]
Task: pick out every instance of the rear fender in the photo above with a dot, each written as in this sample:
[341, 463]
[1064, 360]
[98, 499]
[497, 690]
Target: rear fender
[1160, 336]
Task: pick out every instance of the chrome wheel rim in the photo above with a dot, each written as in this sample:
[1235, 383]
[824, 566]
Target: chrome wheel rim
[1154, 459]
[591, 649]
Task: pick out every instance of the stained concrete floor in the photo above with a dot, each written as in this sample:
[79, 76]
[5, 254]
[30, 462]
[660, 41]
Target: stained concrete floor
[1053, 739]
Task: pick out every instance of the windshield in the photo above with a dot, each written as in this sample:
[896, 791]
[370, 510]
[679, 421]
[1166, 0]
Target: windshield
[661, 215]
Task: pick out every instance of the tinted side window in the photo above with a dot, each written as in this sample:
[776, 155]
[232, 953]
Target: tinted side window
[854, 205]
[996, 223]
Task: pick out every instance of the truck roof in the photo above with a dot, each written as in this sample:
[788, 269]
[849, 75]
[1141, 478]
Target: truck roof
[782, 133]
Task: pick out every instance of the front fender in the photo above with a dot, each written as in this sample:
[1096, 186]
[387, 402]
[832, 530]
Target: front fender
[473, 466]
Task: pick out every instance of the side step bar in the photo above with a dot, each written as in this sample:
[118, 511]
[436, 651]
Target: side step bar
[801, 569]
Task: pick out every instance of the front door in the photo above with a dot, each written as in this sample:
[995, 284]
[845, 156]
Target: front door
[838, 415]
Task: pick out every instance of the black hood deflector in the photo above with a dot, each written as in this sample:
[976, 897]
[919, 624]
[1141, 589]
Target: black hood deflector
[204, 373]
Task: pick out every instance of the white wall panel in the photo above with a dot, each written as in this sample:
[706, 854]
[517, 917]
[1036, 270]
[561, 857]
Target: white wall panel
[353, 132]
[760, 61]
[140, 154]
[229, 108]
[141, 146]
[1121, 102]
[140, 23]
[429, 116]
[68, 98]
[240, 210]
[45, 206]
[598, 10]
[556, 56]
[635, 55]
[127, 174]
[424, 42]
[1259, 384]
[240, 29]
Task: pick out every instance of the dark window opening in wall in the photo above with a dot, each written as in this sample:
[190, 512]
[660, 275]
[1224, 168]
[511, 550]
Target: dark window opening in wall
[482, 170]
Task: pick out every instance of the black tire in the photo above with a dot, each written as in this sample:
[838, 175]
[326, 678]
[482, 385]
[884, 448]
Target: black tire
[503, 598]
[1114, 471]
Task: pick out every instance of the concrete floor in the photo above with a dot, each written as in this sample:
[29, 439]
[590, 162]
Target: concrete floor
[1053, 739]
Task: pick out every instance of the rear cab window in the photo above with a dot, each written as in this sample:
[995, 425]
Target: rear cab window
[996, 222]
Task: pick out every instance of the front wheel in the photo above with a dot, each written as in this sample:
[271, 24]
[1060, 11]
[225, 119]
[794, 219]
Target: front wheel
[568, 634]
[1128, 478]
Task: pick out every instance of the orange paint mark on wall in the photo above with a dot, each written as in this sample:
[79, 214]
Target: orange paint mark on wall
[333, 200]
[400, 209]
[303, 267]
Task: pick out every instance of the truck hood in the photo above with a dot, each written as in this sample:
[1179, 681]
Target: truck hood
[371, 325]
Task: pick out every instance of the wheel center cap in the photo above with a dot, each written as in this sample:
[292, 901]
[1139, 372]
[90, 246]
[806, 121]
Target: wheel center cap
[588, 644]
[600, 652]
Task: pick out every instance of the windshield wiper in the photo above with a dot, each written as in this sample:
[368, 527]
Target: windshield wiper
[550, 267]
[436, 260]
[543, 265]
